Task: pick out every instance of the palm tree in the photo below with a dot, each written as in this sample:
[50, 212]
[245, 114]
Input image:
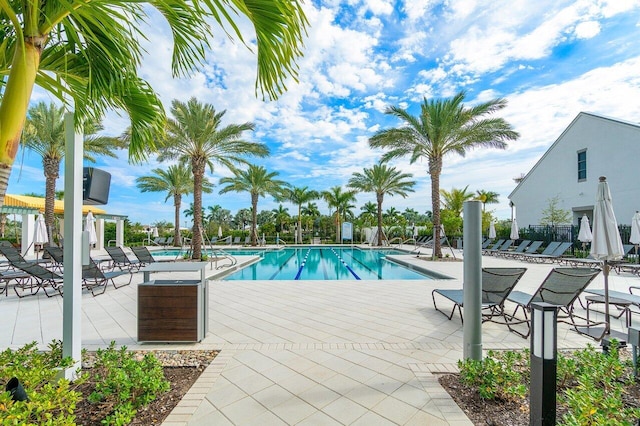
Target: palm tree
[281, 216]
[176, 181]
[382, 180]
[444, 126]
[341, 201]
[487, 197]
[194, 136]
[257, 181]
[44, 134]
[311, 213]
[369, 212]
[299, 196]
[455, 199]
[87, 54]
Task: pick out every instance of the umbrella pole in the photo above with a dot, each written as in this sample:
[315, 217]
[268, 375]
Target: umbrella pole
[606, 298]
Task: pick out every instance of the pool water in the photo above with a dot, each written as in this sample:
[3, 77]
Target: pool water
[326, 263]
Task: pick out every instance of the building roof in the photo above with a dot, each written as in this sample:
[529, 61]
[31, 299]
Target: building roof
[37, 203]
[587, 115]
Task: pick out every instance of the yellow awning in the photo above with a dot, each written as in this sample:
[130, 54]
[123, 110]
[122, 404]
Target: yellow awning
[38, 203]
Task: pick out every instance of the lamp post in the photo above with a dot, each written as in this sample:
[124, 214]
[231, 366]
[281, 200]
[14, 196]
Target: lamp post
[544, 361]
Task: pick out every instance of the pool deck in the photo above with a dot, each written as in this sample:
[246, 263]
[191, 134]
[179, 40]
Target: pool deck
[306, 352]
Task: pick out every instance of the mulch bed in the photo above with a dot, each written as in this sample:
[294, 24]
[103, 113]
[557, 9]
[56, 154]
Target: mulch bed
[181, 369]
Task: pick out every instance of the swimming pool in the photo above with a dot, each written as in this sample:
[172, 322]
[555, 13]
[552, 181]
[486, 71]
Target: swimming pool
[326, 263]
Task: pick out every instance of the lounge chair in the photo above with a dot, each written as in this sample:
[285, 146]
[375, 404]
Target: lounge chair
[22, 280]
[495, 246]
[158, 241]
[43, 278]
[56, 254]
[94, 278]
[236, 240]
[520, 249]
[561, 287]
[532, 249]
[120, 260]
[169, 242]
[144, 256]
[503, 248]
[486, 243]
[555, 256]
[14, 256]
[548, 251]
[497, 283]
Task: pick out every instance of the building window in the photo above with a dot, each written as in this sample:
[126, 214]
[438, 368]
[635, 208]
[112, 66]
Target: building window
[582, 165]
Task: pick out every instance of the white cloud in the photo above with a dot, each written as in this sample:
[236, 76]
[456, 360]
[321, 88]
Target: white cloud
[587, 29]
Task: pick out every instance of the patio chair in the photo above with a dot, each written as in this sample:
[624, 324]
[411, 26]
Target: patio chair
[158, 241]
[497, 283]
[236, 240]
[169, 241]
[555, 256]
[120, 260]
[144, 256]
[56, 254]
[14, 256]
[94, 278]
[551, 247]
[486, 243]
[531, 249]
[495, 246]
[561, 287]
[520, 249]
[42, 278]
[503, 248]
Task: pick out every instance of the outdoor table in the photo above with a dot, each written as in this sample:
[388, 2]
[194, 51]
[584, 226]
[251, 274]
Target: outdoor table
[623, 305]
[173, 310]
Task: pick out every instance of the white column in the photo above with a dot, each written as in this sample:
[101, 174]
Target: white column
[71, 307]
[28, 230]
[100, 233]
[120, 233]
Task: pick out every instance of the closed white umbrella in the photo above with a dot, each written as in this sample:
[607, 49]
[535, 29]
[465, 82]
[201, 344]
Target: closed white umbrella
[584, 234]
[515, 234]
[492, 230]
[635, 232]
[40, 236]
[606, 244]
[219, 231]
[90, 227]
[155, 232]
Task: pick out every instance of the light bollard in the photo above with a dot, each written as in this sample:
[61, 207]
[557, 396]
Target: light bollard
[544, 362]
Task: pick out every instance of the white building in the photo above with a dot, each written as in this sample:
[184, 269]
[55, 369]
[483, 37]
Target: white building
[592, 146]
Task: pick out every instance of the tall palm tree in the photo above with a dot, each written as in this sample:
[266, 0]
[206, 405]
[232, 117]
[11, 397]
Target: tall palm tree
[487, 197]
[444, 126]
[369, 212]
[310, 212]
[382, 180]
[194, 136]
[299, 196]
[281, 216]
[44, 134]
[258, 182]
[454, 200]
[341, 201]
[176, 181]
[87, 54]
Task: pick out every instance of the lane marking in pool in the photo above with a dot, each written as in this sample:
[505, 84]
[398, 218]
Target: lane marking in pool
[304, 262]
[345, 265]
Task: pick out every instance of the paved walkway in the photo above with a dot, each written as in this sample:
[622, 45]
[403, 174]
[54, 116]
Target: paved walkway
[305, 352]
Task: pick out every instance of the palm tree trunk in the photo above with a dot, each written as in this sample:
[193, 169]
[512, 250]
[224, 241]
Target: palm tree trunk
[51, 168]
[14, 105]
[254, 219]
[379, 198]
[299, 223]
[198, 166]
[177, 202]
[338, 226]
[435, 168]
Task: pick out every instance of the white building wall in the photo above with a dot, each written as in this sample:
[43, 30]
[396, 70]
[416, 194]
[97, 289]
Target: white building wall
[613, 150]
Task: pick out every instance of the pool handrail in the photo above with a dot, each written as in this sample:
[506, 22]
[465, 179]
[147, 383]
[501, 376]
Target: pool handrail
[219, 254]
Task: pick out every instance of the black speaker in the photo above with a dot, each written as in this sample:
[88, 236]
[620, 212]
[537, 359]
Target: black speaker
[95, 186]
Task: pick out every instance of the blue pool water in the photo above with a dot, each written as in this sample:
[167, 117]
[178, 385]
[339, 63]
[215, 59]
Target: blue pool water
[326, 263]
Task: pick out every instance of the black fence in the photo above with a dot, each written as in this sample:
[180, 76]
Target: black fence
[568, 233]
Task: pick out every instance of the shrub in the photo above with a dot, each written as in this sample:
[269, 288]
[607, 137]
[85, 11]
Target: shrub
[498, 375]
[52, 400]
[125, 383]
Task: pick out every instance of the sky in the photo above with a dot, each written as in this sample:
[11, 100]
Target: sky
[550, 59]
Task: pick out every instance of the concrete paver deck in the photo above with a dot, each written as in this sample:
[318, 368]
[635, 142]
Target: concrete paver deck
[306, 352]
